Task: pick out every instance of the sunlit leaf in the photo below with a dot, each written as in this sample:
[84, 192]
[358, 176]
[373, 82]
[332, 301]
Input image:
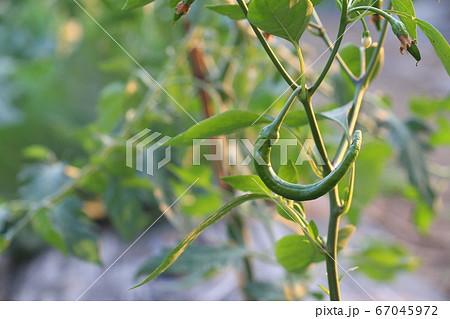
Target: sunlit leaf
[344, 235]
[412, 158]
[197, 259]
[288, 172]
[437, 40]
[294, 253]
[383, 261]
[220, 124]
[369, 169]
[133, 4]
[37, 152]
[247, 183]
[407, 7]
[232, 11]
[287, 19]
[423, 217]
[177, 251]
[313, 230]
[325, 290]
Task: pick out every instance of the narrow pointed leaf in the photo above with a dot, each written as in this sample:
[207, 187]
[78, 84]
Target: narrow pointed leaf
[4, 243]
[344, 235]
[229, 122]
[438, 42]
[177, 251]
[233, 11]
[220, 124]
[407, 7]
[247, 183]
[133, 4]
[288, 173]
[340, 116]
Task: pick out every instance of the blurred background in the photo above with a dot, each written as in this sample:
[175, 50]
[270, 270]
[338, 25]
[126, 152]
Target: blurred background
[69, 96]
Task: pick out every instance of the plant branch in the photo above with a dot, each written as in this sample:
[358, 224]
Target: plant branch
[317, 136]
[332, 238]
[324, 36]
[359, 93]
[302, 68]
[335, 204]
[373, 61]
[335, 49]
[268, 49]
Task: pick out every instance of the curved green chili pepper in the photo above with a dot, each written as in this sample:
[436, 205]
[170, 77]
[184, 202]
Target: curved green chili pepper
[294, 191]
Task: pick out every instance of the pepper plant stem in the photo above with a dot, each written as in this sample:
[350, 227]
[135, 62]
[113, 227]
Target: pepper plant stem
[339, 37]
[268, 49]
[324, 36]
[332, 238]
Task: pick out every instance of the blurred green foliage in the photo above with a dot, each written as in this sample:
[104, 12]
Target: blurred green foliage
[70, 95]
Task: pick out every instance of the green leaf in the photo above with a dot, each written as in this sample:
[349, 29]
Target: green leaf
[423, 217]
[285, 211]
[296, 118]
[313, 230]
[294, 253]
[111, 106]
[125, 210]
[316, 2]
[232, 11]
[133, 4]
[287, 19]
[42, 180]
[230, 122]
[42, 224]
[369, 169]
[340, 116]
[247, 183]
[198, 204]
[424, 106]
[4, 243]
[198, 259]
[325, 290]
[288, 172]
[442, 135]
[38, 152]
[383, 261]
[217, 215]
[344, 235]
[412, 157]
[440, 45]
[358, 3]
[220, 124]
[407, 7]
[76, 230]
[346, 272]
[351, 55]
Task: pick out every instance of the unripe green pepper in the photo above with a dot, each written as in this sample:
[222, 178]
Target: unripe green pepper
[406, 43]
[181, 9]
